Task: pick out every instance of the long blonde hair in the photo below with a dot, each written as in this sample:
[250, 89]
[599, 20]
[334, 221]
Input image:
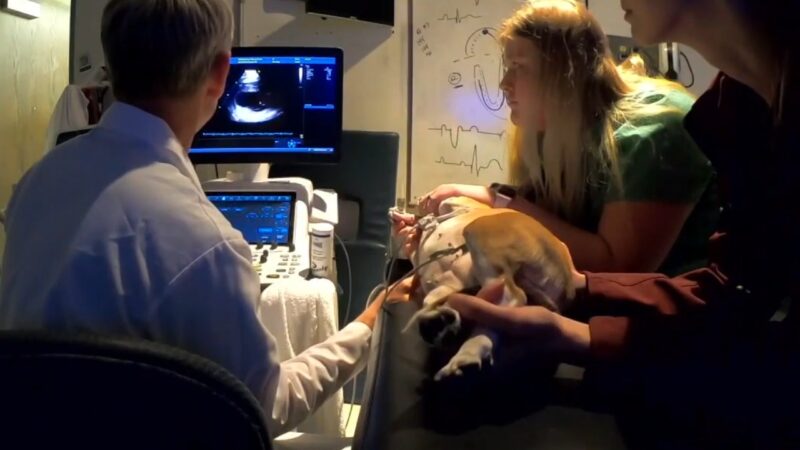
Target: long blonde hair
[585, 99]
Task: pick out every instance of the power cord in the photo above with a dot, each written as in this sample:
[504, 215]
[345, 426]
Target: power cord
[349, 277]
[691, 71]
[388, 267]
[352, 402]
[347, 317]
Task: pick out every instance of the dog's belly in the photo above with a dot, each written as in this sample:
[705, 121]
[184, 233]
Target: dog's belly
[469, 249]
[442, 258]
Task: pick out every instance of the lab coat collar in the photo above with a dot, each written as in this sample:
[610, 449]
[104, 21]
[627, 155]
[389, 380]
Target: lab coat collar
[152, 131]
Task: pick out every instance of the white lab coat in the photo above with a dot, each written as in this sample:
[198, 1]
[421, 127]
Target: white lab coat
[111, 233]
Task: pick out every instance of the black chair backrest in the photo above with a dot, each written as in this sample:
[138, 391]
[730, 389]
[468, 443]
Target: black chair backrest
[366, 173]
[85, 392]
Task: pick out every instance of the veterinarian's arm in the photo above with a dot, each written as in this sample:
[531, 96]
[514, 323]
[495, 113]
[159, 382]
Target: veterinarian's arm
[631, 236]
[636, 314]
[400, 293]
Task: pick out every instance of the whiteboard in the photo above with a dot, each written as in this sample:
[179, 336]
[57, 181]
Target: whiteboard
[459, 119]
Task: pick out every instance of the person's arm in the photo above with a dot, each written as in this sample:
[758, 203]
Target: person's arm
[634, 313]
[304, 382]
[211, 309]
[429, 203]
[631, 237]
[663, 175]
[627, 314]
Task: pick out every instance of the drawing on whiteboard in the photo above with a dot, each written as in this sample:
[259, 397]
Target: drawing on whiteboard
[493, 103]
[478, 37]
[458, 17]
[483, 41]
[474, 167]
[422, 43]
[455, 80]
[455, 133]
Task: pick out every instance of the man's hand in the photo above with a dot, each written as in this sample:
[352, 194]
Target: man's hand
[402, 292]
[538, 326]
[429, 203]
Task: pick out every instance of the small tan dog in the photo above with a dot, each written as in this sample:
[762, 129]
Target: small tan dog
[470, 245]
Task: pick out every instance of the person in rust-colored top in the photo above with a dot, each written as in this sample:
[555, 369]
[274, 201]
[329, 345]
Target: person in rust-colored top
[709, 359]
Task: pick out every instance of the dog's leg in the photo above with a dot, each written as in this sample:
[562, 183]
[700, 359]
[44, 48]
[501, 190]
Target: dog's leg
[479, 346]
[437, 320]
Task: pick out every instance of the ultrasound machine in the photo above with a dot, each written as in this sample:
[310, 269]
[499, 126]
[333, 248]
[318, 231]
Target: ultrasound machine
[281, 105]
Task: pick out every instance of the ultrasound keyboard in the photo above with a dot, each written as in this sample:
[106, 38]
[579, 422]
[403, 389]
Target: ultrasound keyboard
[275, 228]
[279, 262]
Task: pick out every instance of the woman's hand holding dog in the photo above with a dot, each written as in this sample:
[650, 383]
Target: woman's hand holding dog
[429, 203]
[538, 326]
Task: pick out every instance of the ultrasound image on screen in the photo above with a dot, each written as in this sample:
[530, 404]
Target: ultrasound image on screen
[278, 104]
[249, 104]
[260, 101]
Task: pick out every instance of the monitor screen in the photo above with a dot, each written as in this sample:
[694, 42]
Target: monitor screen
[263, 218]
[281, 104]
[378, 11]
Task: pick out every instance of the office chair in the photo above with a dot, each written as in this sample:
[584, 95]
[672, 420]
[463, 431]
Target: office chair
[88, 392]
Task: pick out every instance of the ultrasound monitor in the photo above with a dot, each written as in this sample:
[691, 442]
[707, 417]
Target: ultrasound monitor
[281, 104]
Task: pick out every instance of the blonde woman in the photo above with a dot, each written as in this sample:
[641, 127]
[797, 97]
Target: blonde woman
[599, 153]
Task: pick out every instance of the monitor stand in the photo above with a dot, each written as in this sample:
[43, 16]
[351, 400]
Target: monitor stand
[256, 173]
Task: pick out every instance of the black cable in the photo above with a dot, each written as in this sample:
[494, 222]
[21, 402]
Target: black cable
[672, 72]
[216, 172]
[349, 277]
[691, 71]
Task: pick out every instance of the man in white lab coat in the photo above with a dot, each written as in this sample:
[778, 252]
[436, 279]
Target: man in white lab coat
[111, 232]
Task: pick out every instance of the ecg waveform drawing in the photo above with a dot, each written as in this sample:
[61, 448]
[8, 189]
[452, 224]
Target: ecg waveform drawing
[474, 166]
[455, 133]
[458, 17]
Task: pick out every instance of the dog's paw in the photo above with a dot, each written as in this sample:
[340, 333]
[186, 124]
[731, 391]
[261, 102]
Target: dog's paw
[438, 325]
[473, 353]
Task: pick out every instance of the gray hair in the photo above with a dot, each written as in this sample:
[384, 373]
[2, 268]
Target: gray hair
[163, 48]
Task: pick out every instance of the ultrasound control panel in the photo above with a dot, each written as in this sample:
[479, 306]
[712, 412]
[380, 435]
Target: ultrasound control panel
[268, 223]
